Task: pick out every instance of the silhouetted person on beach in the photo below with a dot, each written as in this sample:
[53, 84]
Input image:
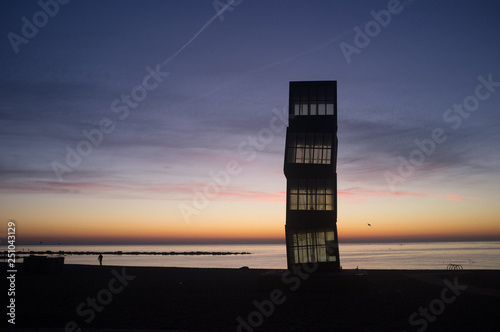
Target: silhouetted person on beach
[100, 259]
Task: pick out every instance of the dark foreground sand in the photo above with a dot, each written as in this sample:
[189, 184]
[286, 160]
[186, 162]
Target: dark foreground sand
[212, 300]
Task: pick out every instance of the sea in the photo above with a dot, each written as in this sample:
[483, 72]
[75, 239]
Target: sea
[387, 255]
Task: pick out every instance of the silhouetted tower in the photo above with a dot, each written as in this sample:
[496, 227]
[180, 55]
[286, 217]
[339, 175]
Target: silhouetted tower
[310, 170]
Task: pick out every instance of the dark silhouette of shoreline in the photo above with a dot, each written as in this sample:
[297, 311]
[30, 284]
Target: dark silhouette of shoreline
[22, 254]
[213, 299]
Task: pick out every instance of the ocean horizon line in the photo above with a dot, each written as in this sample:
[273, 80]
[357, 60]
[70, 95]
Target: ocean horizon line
[258, 242]
[367, 255]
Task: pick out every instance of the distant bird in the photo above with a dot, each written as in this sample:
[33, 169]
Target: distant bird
[369, 225]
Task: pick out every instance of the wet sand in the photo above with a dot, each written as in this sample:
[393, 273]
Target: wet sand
[190, 299]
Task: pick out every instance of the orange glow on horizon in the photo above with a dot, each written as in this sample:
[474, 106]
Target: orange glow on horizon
[92, 219]
[245, 232]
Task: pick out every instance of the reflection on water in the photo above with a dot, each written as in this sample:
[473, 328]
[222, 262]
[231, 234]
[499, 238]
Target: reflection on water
[431, 255]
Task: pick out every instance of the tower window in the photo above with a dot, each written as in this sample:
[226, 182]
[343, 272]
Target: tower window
[314, 108]
[309, 148]
[310, 194]
[312, 99]
[315, 245]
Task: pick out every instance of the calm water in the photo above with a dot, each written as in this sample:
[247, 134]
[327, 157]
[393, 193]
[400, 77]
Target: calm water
[433, 255]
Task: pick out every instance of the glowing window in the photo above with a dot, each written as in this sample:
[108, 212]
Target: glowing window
[310, 194]
[309, 148]
[310, 246]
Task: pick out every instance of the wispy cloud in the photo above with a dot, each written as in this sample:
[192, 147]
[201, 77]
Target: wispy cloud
[142, 190]
[359, 192]
[456, 197]
[186, 191]
[368, 148]
[47, 187]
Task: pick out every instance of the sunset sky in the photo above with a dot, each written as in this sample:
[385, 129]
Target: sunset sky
[161, 121]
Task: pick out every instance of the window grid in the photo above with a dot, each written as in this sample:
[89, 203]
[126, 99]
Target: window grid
[314, 107]
[318, 245]
[313, 99]
[309, 148]
[310, 194]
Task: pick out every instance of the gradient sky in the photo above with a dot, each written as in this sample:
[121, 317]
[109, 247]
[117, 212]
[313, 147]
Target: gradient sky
[227, 82]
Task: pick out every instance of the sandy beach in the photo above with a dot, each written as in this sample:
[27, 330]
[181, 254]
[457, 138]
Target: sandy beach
[191, 299]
